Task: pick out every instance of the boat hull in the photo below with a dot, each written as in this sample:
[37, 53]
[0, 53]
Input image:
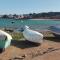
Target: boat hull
[5, 40]
[56, 35]
[55, 30]
[33, 37]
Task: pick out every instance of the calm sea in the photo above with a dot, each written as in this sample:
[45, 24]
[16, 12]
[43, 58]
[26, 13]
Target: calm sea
[34, 24]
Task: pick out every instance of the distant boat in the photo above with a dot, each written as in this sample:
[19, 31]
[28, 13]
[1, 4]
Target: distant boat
[32, 35]
[55, 30]
[12, 22]
[5, 40]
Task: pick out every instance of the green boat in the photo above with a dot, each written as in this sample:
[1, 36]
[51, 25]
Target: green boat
[5, 40]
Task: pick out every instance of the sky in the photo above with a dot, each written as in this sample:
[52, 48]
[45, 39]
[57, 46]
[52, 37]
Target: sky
[28, 6]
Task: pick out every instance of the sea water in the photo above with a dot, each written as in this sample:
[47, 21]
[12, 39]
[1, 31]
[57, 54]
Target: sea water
[33, 24]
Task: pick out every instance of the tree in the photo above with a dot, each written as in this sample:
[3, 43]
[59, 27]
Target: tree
[5, 16]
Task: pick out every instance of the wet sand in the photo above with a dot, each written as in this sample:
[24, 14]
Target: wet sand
[25, 50]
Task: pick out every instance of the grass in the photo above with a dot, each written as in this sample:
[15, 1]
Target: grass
[17, 36]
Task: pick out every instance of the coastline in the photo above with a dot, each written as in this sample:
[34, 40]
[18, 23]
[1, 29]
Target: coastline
[46, 19]
[32, 19]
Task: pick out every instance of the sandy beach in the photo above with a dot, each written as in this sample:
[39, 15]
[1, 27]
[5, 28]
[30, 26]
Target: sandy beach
[25, 50]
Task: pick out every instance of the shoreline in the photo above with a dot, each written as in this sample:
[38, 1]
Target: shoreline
[33, 19]
[45, 19]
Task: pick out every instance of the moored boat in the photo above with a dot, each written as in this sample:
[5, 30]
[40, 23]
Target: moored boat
[5, 40]
[55, 30]
[31, 35]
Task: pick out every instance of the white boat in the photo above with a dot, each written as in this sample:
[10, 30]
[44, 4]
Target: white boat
[55, 30]
[32, 35]
[5, 40]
